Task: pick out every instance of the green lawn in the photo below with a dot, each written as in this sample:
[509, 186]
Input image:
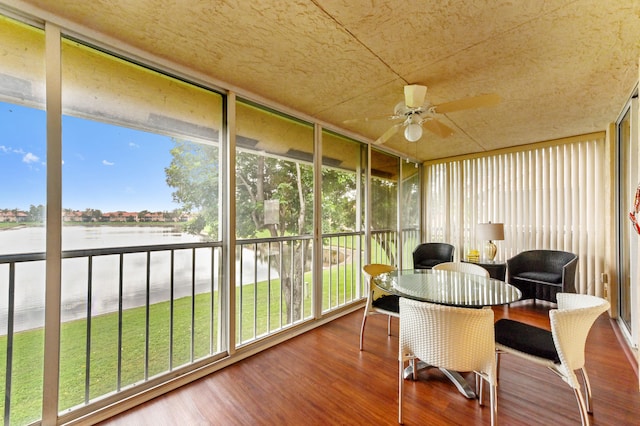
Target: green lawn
[259, 318]
[26, 381]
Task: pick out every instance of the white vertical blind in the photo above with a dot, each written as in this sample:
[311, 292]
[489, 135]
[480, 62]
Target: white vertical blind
[548, 198]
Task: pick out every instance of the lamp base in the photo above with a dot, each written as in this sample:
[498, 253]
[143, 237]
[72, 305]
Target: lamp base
[490, 251]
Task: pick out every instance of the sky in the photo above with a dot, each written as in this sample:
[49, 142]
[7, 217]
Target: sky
[105, 167]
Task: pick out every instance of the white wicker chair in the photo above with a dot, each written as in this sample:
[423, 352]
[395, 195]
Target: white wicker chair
[459, 339]
[378, 302]
[562, 348]
[469, 268]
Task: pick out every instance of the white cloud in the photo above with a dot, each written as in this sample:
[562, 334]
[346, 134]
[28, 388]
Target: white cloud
[107, 163]
[30, 158]
[4, 148]
[133, 145]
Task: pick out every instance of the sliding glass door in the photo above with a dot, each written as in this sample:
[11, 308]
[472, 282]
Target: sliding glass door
[627, 194]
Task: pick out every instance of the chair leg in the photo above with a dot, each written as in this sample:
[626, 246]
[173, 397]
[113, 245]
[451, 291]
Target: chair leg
[587, 389]
[497, 365]
[479, 388]
[364, 321]
[584, 416]
[400, 385]
[493, 400]
[414, 369]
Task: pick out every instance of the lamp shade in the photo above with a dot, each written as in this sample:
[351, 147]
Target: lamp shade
[490, 231]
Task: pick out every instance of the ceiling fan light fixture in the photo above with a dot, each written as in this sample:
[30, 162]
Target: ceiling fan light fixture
[413, 132]
[414, 95]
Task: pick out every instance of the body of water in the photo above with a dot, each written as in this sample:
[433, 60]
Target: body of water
[30, 276]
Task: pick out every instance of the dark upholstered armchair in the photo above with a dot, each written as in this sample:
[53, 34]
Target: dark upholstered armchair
[427, 255]
[541, 274]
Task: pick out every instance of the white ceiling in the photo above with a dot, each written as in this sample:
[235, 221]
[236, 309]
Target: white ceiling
[561, 67]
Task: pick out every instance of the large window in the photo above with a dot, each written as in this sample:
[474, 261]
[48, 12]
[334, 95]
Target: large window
[22, 220]
[628, 150]
[385, 172]
[140, 199]
[343, 193]
[410, 212]
[274, 221]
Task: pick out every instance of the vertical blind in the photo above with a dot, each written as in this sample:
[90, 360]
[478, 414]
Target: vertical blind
[550, 197]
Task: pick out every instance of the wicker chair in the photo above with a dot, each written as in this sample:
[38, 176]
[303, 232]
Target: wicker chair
[458, 339]
[562, 348]
[377, 301]
[469, 268]
[541, 274]
[426, 255]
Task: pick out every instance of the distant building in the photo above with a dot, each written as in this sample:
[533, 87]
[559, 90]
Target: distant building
[120, 216]
[153, 217]
[72, 216]
[15, 216]
[89, 215]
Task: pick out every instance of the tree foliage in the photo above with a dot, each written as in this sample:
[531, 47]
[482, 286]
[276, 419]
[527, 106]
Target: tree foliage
[36, 213]
[194, 176]
[339, 196]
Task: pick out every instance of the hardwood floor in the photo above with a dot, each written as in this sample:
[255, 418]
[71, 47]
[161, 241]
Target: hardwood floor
[321, 378]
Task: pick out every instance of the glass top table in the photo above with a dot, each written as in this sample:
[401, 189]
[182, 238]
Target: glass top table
[447, 287]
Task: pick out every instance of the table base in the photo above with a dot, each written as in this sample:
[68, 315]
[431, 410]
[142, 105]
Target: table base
[455, 377]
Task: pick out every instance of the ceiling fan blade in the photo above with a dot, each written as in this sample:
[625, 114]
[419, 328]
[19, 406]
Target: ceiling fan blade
[468, 103]
[438, 128]
[387, 135]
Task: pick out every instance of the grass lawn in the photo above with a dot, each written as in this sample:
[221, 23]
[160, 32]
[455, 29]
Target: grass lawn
[28, 346]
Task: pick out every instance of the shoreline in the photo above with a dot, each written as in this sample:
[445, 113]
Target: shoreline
[4, 226]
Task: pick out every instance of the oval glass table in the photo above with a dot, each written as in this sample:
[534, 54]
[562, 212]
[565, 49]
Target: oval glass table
[447, 288]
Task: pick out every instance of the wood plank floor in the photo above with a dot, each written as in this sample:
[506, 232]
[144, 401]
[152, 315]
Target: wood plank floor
[321, 378]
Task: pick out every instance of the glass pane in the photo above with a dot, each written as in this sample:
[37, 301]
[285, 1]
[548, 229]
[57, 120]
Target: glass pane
[410, 211]
[627, 239]
[22, 219]
[140, 189]
[342, 189]
[274, 201]
[385, 170]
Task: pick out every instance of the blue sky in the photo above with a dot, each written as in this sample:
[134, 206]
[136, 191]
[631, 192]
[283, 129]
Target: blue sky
[104, 167]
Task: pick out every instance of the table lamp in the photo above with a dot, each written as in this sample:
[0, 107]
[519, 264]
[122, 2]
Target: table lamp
[491, 232]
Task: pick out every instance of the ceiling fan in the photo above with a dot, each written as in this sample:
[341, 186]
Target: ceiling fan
[415, 113]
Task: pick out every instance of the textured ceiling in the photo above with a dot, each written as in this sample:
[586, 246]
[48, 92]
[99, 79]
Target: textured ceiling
[561, 67]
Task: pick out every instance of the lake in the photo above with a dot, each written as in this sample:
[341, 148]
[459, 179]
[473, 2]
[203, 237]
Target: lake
[30, 276]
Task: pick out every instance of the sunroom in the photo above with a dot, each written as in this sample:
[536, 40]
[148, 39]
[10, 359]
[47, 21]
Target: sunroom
[185, 212]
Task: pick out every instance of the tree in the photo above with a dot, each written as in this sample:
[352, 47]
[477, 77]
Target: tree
[384, 218]
[339, 192]
[91, 215]
[193, 173]
[142, 214]
[36, 213]
[261, 178]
